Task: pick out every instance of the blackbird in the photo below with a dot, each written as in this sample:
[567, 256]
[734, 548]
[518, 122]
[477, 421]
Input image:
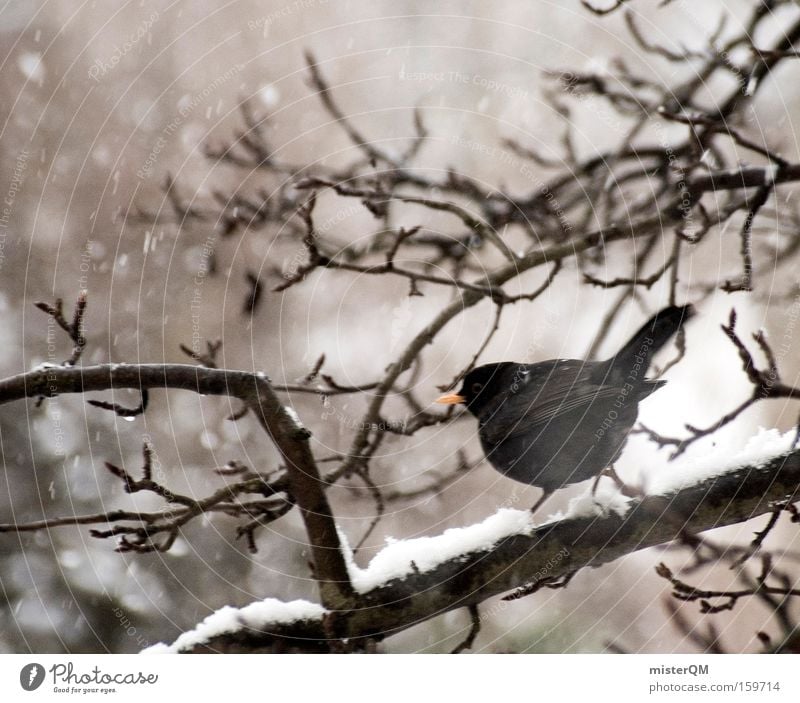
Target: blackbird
[563, 421]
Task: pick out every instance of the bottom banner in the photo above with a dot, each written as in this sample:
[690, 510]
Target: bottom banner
[355, 678]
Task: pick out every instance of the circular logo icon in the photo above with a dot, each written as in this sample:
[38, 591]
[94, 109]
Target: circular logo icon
[31, 676]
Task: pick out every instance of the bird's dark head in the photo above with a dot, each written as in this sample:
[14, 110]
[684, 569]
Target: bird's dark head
[481, 385]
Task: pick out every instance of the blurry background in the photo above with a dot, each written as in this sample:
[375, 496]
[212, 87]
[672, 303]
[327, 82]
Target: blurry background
[99, 102]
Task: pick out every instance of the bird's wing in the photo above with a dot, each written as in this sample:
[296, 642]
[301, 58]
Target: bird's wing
[545, 397]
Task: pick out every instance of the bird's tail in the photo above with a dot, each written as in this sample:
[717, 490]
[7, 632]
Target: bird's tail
[653, 335]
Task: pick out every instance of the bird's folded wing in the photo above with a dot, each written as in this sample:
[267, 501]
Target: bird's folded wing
[556, 398]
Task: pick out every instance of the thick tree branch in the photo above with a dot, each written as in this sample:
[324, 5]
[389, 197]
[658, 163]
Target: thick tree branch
[291, 440]
[547, 552]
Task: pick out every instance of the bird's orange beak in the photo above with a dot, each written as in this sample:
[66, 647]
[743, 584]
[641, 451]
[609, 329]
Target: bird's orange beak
[451, 399]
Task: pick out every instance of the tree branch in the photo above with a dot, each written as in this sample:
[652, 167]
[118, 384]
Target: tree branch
[556, 549]
[304, 482]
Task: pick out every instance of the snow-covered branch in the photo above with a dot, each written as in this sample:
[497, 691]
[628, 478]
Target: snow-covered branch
[411, 581]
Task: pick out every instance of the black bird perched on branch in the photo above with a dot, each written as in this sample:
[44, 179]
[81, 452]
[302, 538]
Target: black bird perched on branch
[564, 421]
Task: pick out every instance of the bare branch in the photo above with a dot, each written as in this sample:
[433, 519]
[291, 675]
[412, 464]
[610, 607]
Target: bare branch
[766, 385]
[121, 410]
[304, 481]
[603, 11]
[325, 95]
[74, 328]
[474, 629]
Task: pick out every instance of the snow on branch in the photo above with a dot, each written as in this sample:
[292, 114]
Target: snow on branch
[413, 580]
[229, 620]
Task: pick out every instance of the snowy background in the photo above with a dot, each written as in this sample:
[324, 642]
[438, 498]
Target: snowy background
[101, 101]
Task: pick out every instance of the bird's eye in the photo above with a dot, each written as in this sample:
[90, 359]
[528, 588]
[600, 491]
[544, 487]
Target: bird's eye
[477, 388]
